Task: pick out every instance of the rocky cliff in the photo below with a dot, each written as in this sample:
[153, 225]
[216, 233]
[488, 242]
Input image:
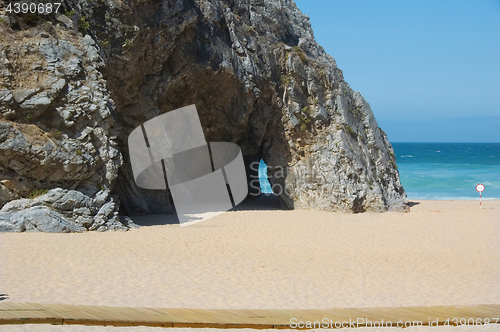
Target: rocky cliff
[73, 85]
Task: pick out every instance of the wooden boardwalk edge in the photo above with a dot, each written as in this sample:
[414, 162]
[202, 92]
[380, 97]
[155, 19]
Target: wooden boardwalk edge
[57, 314]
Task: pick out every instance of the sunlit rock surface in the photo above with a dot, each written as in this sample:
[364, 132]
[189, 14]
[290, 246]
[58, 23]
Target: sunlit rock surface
[73, 87]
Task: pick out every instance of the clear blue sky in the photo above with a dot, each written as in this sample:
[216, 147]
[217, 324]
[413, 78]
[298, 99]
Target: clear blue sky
[430, 69]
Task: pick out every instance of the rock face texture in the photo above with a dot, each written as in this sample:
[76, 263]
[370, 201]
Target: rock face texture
[73, 87]
[57, 131]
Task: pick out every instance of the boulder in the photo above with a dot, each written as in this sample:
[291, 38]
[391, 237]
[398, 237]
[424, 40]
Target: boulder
[61, 210]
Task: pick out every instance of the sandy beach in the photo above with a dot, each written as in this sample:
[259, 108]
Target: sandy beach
[441, 253]
[76, 328]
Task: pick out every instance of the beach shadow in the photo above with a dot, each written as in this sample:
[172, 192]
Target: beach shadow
[412, 204]
[4, 297]
[156, 219]
[263, 202]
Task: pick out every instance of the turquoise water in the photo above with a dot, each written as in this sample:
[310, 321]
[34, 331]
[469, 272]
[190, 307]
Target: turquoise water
[265, 186]
[447, 171]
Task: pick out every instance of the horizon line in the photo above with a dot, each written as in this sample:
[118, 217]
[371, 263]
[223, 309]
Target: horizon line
[449, 142]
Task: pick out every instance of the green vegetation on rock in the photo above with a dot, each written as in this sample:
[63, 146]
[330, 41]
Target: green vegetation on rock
[37, 192]
[83, 25]
[350, 130]
[300, 53]
[305, 119]
[286, 79]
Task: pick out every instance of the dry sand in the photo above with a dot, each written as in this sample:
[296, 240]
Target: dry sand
[77, 328]
[441, 253]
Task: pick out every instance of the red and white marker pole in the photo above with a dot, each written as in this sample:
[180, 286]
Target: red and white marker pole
[480, 189]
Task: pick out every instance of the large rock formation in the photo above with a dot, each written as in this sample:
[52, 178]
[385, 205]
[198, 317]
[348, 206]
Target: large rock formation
[73, 86]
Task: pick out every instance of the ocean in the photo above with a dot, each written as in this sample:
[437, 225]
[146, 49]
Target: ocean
[441, 171]
[449, 171]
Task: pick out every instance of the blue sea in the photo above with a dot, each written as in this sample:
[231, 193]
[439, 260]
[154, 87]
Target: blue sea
[265, 186]
[449, 171]
[441, 171]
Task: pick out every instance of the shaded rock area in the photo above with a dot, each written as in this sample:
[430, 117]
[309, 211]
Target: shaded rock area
[73, 85]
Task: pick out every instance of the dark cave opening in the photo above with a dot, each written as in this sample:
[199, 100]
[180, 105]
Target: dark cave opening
[260, 193]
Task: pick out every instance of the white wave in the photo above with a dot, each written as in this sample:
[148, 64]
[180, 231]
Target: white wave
[407, 156]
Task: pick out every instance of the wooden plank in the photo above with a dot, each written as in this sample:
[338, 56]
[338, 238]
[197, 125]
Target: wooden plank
[17, 321]
[32, 313]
